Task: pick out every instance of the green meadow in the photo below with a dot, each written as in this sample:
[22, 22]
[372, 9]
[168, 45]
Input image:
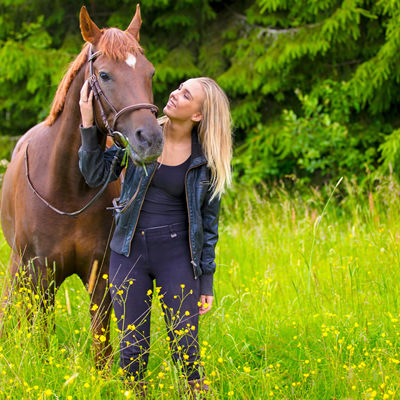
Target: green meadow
[306, 307]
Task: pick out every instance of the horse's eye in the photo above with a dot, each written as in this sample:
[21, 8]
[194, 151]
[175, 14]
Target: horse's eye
[104, 76]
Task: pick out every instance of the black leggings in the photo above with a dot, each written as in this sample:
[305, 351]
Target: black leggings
[160, 253]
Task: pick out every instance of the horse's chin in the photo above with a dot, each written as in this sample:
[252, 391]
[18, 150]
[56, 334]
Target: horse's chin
[139, 160]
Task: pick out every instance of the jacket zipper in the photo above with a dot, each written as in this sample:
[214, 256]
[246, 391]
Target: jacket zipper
[140, 208]
[187, 207]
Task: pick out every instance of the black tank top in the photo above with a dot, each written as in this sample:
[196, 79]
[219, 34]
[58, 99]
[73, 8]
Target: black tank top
[165, 200]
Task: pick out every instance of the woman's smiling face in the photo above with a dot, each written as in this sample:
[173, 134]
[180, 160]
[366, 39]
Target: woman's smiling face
[185, 103]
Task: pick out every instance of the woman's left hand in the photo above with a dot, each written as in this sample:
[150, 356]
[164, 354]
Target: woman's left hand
[86, 105]
[206, 302]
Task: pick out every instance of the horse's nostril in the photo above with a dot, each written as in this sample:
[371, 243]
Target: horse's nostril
[141, 138]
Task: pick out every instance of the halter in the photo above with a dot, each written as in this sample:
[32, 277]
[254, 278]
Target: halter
[117, 136]
[97, 92]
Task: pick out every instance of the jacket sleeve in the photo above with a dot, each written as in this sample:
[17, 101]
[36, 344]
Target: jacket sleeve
[95, 163]
[210, 216]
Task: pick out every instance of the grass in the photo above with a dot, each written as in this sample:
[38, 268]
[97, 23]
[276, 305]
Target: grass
[306, 307]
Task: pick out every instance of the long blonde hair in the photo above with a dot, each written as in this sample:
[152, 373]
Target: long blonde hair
[215, 134]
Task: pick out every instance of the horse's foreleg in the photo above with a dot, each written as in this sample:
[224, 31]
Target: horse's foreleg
[39, 286]
[8, 288]
[41, 280]
[100, 310]
[31, 288]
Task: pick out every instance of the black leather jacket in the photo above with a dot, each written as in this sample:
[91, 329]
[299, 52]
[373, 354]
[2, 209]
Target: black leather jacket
[202, 213]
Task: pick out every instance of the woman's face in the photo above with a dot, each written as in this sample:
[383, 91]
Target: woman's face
[184, 103]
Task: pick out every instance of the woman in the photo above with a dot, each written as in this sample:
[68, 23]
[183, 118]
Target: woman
[169, 232]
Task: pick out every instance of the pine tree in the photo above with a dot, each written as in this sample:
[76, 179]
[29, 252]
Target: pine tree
[314, 85]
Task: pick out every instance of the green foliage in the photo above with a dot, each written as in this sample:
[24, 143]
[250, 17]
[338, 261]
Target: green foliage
[313, 143]
[343, 55]
[314, 85]
[391, 151]
[30, 67]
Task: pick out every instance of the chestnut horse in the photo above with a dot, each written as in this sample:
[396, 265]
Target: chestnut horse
[48, 246]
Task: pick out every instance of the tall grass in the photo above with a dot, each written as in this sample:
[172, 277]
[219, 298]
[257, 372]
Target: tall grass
[306, 307]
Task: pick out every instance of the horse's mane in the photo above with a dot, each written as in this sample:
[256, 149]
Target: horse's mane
[114, 44]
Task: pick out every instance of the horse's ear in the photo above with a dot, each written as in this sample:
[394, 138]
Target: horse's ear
[90, 32]
[134, 26]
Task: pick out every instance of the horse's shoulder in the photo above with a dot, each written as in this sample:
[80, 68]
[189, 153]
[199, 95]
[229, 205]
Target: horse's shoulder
[29, 135]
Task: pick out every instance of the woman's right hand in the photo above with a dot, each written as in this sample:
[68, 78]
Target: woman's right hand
[86, 106]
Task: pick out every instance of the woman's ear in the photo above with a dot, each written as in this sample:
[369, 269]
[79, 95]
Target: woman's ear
[197, 117]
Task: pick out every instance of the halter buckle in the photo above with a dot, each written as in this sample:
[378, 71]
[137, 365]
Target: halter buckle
[120, 139]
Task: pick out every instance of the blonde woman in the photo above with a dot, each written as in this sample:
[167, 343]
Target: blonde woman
[170, 231]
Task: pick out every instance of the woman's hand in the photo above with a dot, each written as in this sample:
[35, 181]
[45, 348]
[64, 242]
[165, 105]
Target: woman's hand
[86, 106]
[206, 302]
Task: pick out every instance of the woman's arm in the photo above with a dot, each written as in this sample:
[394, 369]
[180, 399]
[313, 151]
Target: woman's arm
[210, 217]
[93, 162]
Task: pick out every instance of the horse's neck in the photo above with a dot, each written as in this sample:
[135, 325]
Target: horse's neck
[66, 137]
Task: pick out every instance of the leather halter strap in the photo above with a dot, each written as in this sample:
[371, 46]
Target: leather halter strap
[98, 93]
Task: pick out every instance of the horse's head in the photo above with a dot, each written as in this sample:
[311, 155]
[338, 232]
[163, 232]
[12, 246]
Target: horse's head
[123, 77]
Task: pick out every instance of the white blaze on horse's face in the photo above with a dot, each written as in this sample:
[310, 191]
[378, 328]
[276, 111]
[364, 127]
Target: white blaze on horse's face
[131, 60]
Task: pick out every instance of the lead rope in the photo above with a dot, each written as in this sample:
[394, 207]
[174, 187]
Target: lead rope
[74, 213]
[125, 206]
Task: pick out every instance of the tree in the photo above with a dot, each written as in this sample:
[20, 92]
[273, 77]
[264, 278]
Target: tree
[344, 56]
[314, 85]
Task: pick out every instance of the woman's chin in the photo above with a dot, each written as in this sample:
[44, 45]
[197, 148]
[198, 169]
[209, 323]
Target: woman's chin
[166, 111]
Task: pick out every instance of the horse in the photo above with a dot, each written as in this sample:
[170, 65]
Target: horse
[43, 175]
